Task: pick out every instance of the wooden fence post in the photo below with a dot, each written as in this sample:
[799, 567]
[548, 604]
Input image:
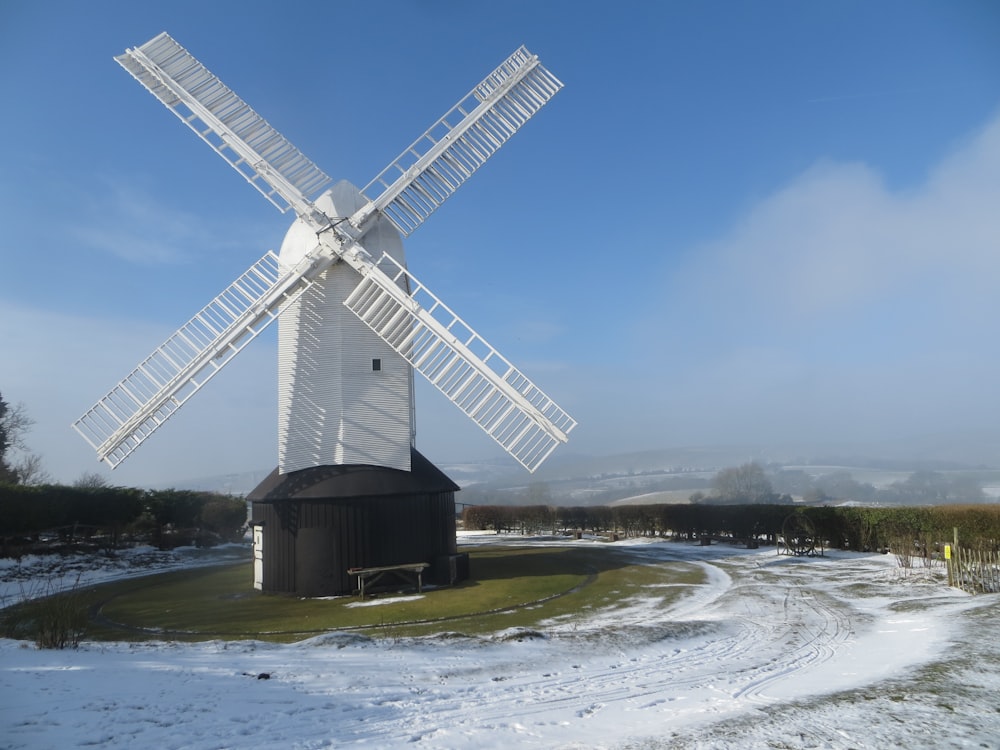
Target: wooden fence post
[948, 564]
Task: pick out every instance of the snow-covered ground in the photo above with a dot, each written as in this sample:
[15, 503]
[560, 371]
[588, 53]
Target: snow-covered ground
[843, 651]
[39, 575]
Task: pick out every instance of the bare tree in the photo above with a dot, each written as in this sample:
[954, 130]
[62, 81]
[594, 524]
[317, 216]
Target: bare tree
[91, 480]
[28, 469]
[743, 484]
[14, 424]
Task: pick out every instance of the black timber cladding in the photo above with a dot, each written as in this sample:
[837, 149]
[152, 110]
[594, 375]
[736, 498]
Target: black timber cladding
[318, 522]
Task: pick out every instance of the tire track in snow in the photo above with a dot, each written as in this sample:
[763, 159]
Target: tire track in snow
[724, 645]
[823, 630]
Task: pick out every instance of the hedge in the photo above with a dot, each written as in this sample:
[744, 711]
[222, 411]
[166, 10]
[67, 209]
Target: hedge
[28, 512]
[852, 528]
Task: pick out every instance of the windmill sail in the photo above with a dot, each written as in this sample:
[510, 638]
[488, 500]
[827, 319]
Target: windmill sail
[434, 166]
[460, 363]
[131, 411]
[415, 323]
[281, 173]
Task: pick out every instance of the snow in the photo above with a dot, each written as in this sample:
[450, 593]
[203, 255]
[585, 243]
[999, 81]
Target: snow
[39, 575]
[385, 601]
[841, 651]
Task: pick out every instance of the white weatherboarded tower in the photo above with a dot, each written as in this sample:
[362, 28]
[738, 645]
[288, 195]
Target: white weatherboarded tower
[345, 397]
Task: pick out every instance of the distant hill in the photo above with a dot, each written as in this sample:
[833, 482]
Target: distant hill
[572, 478]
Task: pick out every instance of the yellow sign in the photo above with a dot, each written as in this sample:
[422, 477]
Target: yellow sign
[947, 552]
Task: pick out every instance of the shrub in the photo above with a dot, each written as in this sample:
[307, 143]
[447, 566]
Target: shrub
[224, 516]
[50, 618]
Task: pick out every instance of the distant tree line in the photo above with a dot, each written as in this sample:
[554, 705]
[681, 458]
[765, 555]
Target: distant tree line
[920, 488]
[750, 483]
[43, 517]
[849, 528]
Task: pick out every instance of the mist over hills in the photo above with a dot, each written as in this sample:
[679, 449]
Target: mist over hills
[673, 474]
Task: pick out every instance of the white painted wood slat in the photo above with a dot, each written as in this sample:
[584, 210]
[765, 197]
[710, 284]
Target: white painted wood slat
[472, 374]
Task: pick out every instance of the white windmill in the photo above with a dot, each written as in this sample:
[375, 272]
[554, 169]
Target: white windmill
[354, 320]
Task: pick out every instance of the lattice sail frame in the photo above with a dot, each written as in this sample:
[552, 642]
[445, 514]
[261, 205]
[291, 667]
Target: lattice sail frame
[231, 128]
[434, 166]
[461, 364]
[177, 369]
[470, 372]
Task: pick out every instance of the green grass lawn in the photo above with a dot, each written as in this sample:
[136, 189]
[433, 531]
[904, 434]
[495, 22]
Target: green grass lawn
[508, 587]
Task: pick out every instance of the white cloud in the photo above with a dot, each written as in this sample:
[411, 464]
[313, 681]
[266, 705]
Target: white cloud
[123, 219]
[838, 237]
[837, 306]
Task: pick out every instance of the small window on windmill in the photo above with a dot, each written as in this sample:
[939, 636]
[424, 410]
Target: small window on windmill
[376, 365]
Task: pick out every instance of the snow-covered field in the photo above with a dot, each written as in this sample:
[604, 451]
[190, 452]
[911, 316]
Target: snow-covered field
[843, 651]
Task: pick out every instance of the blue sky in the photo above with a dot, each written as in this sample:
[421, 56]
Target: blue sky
[754, 223]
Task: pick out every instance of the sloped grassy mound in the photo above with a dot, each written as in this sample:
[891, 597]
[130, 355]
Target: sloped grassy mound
[509, 587]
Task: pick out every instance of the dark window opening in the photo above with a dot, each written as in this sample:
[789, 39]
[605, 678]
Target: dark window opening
[376, 365]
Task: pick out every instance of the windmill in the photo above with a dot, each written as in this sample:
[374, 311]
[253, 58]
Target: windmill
[355, 323]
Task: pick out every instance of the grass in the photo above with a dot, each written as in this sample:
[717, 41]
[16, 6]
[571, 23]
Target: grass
[509, 587]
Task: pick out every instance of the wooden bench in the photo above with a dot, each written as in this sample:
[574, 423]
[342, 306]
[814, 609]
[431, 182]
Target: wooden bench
[368, 576]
